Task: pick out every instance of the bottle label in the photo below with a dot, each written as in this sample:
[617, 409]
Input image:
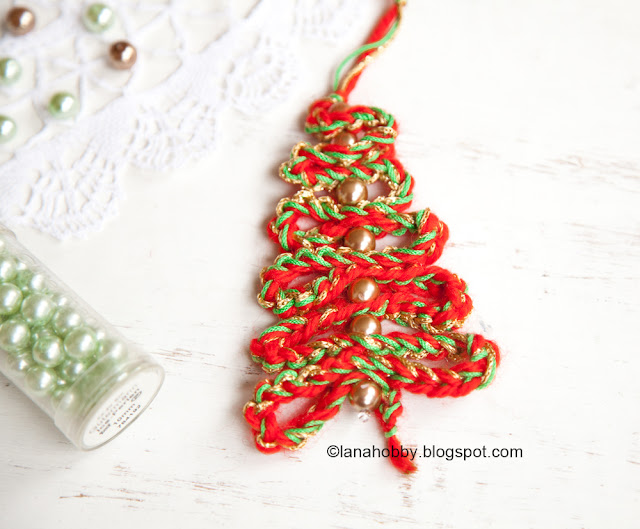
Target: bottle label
[120, 408]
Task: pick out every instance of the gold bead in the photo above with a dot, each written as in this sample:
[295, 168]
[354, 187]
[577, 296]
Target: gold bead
[344, 138]
[122, 55]
[360, 240]
[365, 395]
[351, 191]
[365, 324]
[20, 20]
[339, 106]
[363, 290]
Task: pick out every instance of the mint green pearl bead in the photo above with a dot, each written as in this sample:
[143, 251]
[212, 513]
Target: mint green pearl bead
[48, 351]
[41, 380]
[112, 348]
[20, 364]
[65, 320]
[58, 394]
[66, 398]
[98, 18]
[63, 105]
[20, 266]
[28, 281]
[81, 343]
[60, 300]
[7, 268]
[37, 309]
[42, 332]
[8, 129]
[70, 370]
[10, 71]
[10, 299]
[14, 335]
[63, 397]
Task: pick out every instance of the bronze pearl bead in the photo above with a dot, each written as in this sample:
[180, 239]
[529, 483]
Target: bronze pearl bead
[20, 20]
[360, 240]
[344, 139]
[363, 290]
[351, 191]
[339, 106]
[365, 324]
[365, 395]
[122, 55]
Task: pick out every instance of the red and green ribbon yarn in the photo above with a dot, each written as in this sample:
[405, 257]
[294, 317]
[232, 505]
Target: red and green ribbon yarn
[311, 356]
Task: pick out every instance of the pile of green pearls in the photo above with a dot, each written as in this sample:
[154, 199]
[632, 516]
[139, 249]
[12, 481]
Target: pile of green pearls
[97, 18]
[10, 72]
[62, 105]
[47, 341]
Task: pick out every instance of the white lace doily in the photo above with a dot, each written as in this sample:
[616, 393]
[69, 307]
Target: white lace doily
[195, 58]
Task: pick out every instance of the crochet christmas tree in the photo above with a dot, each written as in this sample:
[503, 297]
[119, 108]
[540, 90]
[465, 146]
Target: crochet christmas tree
[334, 282]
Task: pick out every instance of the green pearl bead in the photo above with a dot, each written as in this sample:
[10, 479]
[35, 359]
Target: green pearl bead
[81, 343]
[60, 299]
[41, 380]
[64, 397]
[113, 349]
[65, 320]
[8, 129]
[7, 268]
[37, 309]
[63, 105]
[20, 364]
[98, 18]
[28, 281]
[10, 299]
[70, 370]
[58, 394]
[42, 332]
[10, 71]
[14, 335]
[48, 351]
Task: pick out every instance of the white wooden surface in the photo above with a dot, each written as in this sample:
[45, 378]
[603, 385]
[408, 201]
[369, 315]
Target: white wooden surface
[521, 124]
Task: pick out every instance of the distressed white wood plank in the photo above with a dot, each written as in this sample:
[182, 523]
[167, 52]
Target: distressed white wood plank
[521, 124]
